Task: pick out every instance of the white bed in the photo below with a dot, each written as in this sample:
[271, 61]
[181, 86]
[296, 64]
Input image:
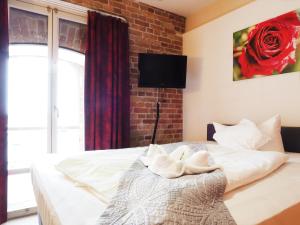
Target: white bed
[274, 199]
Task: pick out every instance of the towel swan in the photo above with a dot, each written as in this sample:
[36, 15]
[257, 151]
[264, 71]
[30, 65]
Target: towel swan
[182, 161]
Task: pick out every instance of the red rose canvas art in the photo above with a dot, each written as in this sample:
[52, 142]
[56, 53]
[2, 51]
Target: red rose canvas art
[268, 48]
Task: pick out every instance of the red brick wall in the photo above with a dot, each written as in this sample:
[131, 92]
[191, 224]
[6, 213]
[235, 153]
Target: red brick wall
[156, 31]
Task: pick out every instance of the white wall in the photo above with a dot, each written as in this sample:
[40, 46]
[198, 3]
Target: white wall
[211, 95]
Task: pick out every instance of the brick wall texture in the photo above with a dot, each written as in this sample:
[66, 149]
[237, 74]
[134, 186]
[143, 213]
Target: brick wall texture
[151, 30]
[155, 31]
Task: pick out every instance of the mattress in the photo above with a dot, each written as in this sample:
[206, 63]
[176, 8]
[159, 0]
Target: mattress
[274, 199]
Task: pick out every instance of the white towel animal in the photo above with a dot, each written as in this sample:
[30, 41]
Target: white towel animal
[182, 161]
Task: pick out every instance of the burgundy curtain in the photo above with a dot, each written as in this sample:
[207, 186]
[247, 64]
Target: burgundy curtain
[3, 111]
[106, 83]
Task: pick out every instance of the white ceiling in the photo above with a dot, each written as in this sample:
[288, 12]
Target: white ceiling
[179, 7]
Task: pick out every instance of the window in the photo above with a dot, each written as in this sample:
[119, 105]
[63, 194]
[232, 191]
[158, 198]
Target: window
[69, 103]
[45, 91]
[27, 104]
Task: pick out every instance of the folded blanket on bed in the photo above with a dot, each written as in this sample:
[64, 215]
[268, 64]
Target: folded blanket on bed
[145, 198]
[182, 161]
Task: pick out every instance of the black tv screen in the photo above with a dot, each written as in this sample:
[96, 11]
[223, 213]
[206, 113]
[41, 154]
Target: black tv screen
[162, 71]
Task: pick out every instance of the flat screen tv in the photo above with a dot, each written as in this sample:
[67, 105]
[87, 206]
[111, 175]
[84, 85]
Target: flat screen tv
[162, 71]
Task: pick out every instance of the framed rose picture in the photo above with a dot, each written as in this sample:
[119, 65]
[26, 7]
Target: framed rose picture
[268, 48]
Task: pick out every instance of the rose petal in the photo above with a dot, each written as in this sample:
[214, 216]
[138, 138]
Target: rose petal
[290, 18]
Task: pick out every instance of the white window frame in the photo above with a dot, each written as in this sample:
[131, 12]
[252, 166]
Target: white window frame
[43, 11]
[54, 10]
[57, 15]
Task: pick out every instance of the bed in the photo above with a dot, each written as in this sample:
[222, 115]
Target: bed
[274, 199]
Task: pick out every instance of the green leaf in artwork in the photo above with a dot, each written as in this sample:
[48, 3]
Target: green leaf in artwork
[236, 73]
[237, 35]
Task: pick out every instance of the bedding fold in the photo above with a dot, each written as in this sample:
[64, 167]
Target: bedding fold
[243, 167]
[101, 171]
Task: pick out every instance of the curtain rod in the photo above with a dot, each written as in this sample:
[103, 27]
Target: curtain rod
[71, 8]
[101, 12]
[109, 14]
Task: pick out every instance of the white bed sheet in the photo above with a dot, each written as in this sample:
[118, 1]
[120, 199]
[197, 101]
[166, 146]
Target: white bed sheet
[62, 203]
[59, 201]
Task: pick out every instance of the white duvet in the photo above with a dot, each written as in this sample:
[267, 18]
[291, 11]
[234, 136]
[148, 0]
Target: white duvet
[242, 167]
[99, 172]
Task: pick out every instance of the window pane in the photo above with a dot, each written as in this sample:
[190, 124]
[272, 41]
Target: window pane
[27, 27]
[27, 101]
[27, 104]
[72, 35]
[20, 198]
[70, 88]
[27, 87]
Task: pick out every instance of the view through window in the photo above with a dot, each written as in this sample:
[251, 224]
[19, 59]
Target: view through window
[45, 92]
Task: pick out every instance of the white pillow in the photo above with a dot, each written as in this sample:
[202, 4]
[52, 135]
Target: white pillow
[272, 128]
[218, 127]
[244, 135]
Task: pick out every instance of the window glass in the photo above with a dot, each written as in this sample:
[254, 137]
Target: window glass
[70, 94]
[72, 35]
[27, 27]
[27, 104]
